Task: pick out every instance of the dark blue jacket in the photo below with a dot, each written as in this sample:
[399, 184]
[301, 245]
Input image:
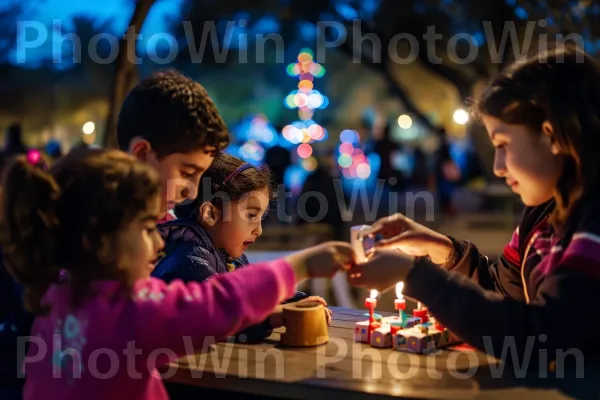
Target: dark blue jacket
[190, 255]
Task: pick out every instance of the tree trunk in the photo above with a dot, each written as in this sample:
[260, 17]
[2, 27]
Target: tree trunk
[125, 72]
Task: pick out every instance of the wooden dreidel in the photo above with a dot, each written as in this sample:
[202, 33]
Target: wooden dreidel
[410, 340]
[305, 325]
[362, 329]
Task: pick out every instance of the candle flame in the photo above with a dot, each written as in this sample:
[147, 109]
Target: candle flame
[374, 293]
[399, 288]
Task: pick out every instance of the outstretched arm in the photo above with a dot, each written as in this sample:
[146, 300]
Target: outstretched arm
[493, 322]
[219, 307]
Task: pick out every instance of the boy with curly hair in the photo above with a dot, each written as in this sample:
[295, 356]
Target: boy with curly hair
[170, 122]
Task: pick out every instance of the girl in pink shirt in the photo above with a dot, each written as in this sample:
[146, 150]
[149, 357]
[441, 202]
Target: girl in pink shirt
[104, 327]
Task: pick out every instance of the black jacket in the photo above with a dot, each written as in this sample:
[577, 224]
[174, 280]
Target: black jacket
[537, 298]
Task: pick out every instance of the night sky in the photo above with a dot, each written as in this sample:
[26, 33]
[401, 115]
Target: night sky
[117, 11]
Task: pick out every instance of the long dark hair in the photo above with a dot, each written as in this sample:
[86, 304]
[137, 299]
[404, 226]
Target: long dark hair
[561, 86]
[67, 218]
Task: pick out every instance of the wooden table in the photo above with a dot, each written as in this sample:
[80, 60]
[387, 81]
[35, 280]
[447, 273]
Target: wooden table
[356, 371]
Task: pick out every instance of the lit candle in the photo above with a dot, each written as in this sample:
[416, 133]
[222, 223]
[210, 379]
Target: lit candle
[371, 303]
[399, 303]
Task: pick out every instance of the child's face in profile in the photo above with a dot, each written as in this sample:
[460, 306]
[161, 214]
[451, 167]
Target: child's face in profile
[180, 174]
[240, 223]
[527, 160]
[139, 242]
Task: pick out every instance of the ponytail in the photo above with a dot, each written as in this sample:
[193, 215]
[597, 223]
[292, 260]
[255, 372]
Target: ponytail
[29, 229]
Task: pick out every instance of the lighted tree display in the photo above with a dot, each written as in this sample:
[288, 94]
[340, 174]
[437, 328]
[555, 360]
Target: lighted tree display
[307, 100]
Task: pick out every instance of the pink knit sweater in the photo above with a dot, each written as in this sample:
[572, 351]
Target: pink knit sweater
[110, 346]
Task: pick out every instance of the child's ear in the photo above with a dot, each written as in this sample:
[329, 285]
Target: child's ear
[210, 215]
[140, 148]
[548, 131]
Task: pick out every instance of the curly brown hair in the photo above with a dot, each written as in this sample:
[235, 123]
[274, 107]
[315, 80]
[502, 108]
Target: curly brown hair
[173, 113]
[67, 218]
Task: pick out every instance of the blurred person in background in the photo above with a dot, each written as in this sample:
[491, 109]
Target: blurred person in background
[13, 141]
[326, 180]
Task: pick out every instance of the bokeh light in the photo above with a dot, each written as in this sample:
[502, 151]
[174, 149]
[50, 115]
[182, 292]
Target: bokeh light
[346, 148]
[349, 136]
[315, 99]
[405, 121]
[315, 131]
[34, 156]
[310, 164]
[300, 99]
[305, 85]
[88, 128]
[305, 150]
[363, 170]
[252, 151]
[344, 160]
[461, 117]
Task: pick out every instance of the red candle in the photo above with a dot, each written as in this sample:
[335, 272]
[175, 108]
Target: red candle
[422, 313]
[371, 303]
[400, 304]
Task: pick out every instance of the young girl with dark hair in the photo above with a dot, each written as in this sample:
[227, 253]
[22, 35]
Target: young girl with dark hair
[211, 234]
[542, 116]
[81, 239]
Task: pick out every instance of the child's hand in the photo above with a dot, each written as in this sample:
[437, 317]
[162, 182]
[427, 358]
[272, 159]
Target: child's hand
[382, 270]
[322, 260]
[410, 237]
[276, 318]
[319, 299]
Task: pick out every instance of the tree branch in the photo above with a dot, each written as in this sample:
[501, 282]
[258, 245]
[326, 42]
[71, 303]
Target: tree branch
[125, 71]
[394, 86]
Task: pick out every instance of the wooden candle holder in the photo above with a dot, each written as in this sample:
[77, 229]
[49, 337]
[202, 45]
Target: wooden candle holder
[305, 325]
